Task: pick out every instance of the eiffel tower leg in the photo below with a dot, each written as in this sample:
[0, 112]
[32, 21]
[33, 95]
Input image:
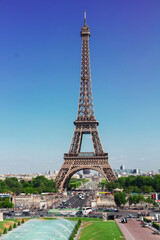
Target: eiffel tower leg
[75, 164]
[61, 177]
[109, 174]
[76, 140]
[96, 140]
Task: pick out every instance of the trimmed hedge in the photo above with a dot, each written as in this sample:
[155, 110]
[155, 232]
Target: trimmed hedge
[75, 230]
[146, 220]
[5, 231]
[71, 238]
[15, 225]
[19, 223]
[22, 221]
[10, 228]
[156, 225]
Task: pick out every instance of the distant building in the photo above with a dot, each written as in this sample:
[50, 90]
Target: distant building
[122, 167]
[125, 172]
[137, 171]
[86, 171]
[76, 176]
[49, 172]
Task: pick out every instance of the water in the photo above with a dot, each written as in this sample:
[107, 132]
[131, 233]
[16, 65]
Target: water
[59, 229]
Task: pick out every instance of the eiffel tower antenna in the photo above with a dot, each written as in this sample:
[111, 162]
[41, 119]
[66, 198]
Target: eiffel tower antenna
[85, 123]
[85, 18]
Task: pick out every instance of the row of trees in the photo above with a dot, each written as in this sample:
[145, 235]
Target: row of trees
[139, 199]
[120, 199]
[11, 227]
[137, 184]
[75, 183]
[36, 185]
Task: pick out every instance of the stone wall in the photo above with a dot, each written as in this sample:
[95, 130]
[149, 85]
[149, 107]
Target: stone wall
[35, 201]
[1, 217]
[106, 201]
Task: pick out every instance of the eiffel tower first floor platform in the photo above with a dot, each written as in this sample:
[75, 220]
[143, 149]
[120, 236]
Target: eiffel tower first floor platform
[76, 162]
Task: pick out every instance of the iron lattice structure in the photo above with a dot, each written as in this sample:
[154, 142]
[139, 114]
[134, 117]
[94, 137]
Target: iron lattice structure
[86, 123]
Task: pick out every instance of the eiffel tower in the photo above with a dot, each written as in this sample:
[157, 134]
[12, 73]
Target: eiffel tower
[75, 160]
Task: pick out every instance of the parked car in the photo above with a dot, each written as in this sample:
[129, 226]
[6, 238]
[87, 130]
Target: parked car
[86, 210]
[116, 210]
[130, 216]
[17, 214]
[73, 214]
[65, 213]
[79, 213]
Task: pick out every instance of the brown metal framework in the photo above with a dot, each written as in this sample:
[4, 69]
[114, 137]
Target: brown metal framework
[86, 123]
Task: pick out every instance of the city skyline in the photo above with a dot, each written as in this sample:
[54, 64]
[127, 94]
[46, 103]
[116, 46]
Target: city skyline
[40, 76]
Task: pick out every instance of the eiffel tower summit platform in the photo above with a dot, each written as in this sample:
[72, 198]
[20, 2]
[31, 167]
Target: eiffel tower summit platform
[75, 160]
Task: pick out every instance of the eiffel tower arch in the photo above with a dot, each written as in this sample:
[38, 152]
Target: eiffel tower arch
[75, 160]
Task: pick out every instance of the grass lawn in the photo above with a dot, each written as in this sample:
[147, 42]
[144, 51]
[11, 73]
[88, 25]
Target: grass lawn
[83, 219]
[7, 222]
[101, 230]
[46, 218]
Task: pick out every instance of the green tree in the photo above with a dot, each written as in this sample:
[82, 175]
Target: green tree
[75, 231]
[156, 183]
[10, 228]
[14, 225]
[75, 183]
[122, 182]
[132, 199]
[141, 199]
[104, 183]
[130, 181]
[29, 190]
[155, 204]
[5, 231]
[120, 198]
[113, 185]
[145, 189]
[136, 189]
[149, 200]
[136, 199]
[13, 184]
[5, 203]
[36, 185]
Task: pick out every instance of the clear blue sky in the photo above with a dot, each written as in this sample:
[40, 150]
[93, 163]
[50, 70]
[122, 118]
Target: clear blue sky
[40, 54]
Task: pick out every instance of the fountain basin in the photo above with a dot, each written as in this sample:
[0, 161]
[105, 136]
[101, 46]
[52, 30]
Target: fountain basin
[36, 229]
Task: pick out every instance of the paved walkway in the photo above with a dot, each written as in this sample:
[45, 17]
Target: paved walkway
[133, 230]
